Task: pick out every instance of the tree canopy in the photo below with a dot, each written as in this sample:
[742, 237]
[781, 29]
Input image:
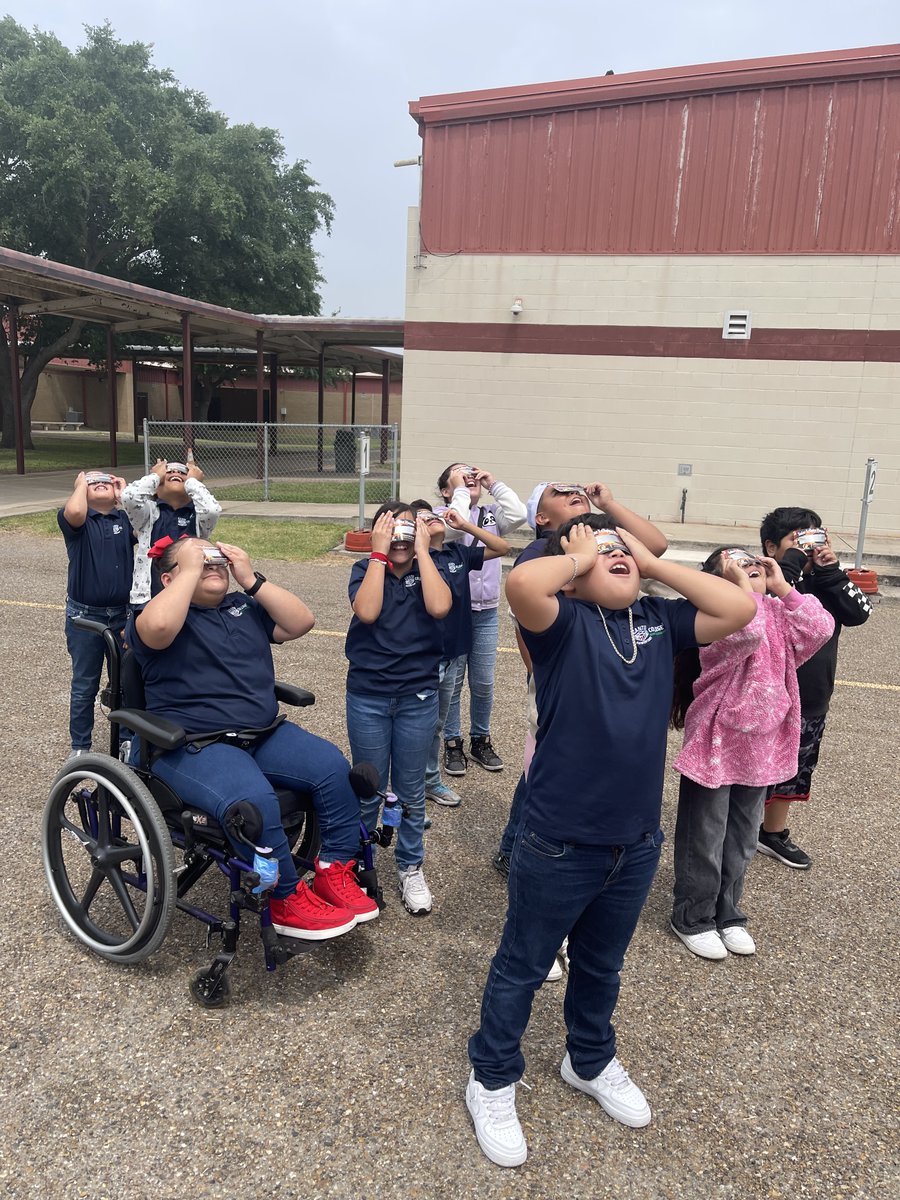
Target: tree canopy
[109, 164]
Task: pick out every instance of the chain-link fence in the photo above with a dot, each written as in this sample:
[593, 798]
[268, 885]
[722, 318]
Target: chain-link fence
[319, 464]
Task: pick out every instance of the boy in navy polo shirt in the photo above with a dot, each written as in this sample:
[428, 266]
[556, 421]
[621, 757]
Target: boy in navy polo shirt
[454, 561]
[99, 545]
[206, 663]
[589, 843]
[169, 502]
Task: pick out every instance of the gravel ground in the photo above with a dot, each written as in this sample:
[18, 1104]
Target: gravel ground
[342, 1074]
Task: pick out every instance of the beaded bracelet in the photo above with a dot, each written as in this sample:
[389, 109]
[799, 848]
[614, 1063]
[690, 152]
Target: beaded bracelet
[574, 567]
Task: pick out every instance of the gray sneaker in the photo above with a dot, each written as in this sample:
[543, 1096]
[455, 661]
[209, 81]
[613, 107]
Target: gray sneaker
[441, 794]
[414, 891]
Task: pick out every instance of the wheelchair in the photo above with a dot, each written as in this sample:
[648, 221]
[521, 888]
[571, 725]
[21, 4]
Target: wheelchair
[121, 851]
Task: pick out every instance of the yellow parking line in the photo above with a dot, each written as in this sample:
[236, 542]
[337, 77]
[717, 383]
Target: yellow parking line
[336, 633]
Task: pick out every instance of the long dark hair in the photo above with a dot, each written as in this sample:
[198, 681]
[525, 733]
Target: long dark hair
[594, 520]
[687, 663]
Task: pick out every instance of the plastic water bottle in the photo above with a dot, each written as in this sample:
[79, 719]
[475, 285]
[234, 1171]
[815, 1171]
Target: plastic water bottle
[266, 868]
[392, 812]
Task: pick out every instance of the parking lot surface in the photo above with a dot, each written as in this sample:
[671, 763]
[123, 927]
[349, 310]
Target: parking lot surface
[342, 1074]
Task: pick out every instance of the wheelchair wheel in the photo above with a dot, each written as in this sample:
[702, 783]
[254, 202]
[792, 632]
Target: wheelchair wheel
[109, 858]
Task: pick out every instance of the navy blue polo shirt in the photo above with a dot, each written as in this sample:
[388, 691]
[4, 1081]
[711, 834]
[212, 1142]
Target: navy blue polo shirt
[398, 654]
[174, 522]
[101, 558]
[454, 562]
[535, 549]
[218, 672]
[597, 774]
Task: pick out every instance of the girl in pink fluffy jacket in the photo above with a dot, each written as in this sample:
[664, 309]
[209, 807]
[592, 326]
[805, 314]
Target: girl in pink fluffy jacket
[741, 734]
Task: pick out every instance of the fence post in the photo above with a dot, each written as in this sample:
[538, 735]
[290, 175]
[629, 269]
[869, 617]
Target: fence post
[363, 443]
[146, 446]
[265, 461]
[395, 464]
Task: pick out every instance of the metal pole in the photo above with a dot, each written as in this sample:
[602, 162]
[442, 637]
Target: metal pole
[868, 488]
[353, 398]
[146, 446]
[395, 462]
[113, 397]
[16, 387]
[265, 434]
[385, 404]
[361, 523]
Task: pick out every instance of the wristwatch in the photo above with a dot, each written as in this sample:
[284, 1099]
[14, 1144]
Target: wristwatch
[254, 587]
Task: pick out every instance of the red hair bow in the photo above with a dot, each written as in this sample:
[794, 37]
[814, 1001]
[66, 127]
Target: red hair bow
[158, 548]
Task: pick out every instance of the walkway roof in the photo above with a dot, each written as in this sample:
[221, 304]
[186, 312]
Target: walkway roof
[38, 285]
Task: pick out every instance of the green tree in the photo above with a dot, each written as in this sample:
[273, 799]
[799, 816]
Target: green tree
[108, 164]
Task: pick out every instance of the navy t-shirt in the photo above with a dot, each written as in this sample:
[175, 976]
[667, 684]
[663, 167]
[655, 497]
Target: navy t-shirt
[597, 773]
[101, 558]
[218, 672]
[399, 654]
[454, 562]
[535, 549]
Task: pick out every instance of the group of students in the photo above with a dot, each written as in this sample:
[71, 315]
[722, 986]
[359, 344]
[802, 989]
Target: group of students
[744, 662]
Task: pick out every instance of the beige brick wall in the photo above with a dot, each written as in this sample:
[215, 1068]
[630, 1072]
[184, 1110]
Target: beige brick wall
[757, 433]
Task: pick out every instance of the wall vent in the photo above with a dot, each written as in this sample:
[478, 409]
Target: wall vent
[737, 325]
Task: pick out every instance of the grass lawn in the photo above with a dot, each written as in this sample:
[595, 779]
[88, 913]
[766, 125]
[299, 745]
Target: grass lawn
[326, 492]
[61, 453]
[295, 541]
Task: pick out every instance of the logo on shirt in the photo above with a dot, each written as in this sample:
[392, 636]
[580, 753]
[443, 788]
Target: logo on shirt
[453, 567]
[117, 528]
[487, 518]
[183, 522]
[410, 580]
[643, 633]
[237, 610]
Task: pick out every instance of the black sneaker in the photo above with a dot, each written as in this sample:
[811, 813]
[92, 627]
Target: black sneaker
[484, 754]
[780, 846]
[500, 862]
[455, 761]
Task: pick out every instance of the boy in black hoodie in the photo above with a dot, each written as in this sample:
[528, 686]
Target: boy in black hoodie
[814, 570]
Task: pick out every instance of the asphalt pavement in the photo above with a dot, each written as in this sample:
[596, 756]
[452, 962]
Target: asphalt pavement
[342, 1074]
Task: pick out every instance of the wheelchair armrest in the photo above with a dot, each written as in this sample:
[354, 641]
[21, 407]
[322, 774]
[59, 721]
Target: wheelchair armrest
[88, 624]
[158, 731]
[288, 694]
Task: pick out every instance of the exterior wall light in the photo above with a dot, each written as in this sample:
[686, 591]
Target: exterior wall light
[517, 306]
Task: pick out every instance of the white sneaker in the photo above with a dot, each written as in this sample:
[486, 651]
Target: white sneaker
[555, 972]
[614, 1091]
[497, 1127]
[704, 945]
[738, 940]
[414, 891]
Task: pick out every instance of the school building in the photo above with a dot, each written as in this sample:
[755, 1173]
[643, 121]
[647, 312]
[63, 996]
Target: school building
[684, 282]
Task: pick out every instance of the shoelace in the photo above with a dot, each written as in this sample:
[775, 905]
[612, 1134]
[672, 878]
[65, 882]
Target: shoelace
[616, 1075]
[501, 1105]
[310, 899]
[342, 877]
[415, 883]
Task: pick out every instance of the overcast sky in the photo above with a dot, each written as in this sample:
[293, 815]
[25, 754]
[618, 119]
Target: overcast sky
[336, 76]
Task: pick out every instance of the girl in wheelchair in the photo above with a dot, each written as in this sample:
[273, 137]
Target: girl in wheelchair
[204, 653]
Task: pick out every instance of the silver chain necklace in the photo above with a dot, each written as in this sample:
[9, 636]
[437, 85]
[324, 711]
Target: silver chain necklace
[626, 661]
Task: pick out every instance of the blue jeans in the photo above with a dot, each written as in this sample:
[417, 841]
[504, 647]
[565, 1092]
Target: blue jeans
[394, 733]
[715, 839]
[445, 694]
[481, 661]
[593, 895]
[86, 652]
[214, 778]
[508, 840]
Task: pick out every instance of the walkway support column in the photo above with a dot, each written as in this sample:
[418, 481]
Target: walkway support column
[353, 398]
[187, 380]
[320, 412]
[260, 402]
[16, 387]
[385, 404]
[113, 397]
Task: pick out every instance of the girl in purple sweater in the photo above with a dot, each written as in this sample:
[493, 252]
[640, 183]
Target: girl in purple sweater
[739, 703]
